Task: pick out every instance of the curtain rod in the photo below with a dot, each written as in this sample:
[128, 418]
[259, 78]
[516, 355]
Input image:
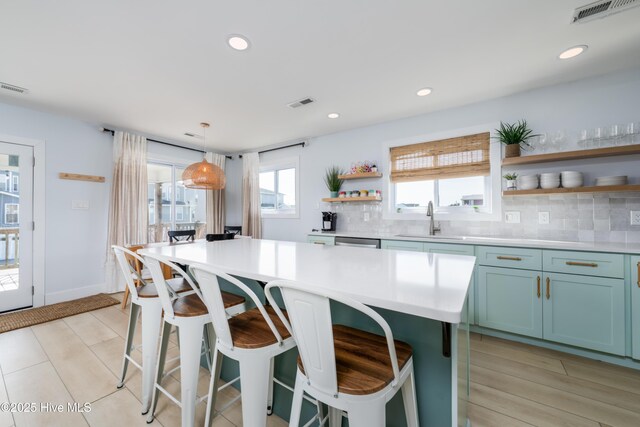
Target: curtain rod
[167, 143]
[303, 143]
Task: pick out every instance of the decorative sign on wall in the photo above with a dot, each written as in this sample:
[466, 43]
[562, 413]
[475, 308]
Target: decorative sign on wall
[78, 177]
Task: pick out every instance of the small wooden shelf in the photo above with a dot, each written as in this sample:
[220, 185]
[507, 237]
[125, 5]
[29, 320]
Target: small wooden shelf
[600, 189]
[572, 155]
[361, 175]
[352, 199]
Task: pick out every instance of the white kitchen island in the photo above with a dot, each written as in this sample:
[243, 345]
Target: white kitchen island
[421, 295]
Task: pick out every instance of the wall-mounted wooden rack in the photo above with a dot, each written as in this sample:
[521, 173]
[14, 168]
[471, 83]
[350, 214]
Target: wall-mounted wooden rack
[572, 155]
[594, 189]
[361, 175]
[352, 199]
[78, 177]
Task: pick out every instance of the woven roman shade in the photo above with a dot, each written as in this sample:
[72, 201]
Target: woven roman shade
[443, 159]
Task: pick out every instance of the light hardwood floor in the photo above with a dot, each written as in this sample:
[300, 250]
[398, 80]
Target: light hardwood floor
[78, 359]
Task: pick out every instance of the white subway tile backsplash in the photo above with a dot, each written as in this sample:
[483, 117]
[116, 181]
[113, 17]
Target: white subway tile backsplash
[573, 217]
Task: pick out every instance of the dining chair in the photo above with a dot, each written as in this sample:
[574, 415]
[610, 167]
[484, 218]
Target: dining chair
[253, 339]
[191, 317]
[181, 235]
[145, 303]
[143, 275]
[346, 368]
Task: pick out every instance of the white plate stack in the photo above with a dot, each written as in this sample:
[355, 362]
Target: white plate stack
[611, 180]
[528, 182]
[550, 180]
[571, 179]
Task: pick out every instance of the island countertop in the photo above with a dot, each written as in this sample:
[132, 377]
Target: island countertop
[428, 285]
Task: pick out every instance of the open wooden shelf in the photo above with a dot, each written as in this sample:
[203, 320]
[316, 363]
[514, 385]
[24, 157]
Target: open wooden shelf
[361, 175]
[599, 189]
[572, 155]
[352, 199]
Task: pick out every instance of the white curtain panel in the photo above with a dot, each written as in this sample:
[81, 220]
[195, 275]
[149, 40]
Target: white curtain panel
[251, 222]
[128, 209]
[215, 200]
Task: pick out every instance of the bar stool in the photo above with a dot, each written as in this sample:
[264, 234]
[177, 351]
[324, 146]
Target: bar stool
[190, 316]
[145, 301]
[252, 338]
[346, 368]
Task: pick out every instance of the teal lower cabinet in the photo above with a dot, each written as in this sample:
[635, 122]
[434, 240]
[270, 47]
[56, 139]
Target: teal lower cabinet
[510, 300]
[402, 245]
[322, 240]
[635, 307]
[584, 311]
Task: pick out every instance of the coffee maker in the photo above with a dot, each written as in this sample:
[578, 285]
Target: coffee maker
[329, 221]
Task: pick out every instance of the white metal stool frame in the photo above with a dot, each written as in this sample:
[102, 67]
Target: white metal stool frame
[256, 364]
[151, 309]
[190, 342]
[310, 311]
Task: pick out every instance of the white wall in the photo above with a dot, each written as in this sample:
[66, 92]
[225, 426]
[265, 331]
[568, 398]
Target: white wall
[609, 99]
[75, 239]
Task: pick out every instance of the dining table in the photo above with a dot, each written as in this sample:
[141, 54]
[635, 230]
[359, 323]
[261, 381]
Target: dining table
[423, 297]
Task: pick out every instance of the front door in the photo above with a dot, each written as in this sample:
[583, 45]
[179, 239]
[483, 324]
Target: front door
[16, 226]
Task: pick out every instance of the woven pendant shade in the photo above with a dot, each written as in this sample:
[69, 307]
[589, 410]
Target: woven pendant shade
[204, 175]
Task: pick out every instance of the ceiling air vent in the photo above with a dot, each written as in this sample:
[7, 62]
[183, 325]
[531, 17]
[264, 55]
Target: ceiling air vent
[13, 88]
[301, 103]
[602, 9]
[193, 135]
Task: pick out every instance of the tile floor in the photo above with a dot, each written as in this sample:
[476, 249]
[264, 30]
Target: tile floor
[78, 359]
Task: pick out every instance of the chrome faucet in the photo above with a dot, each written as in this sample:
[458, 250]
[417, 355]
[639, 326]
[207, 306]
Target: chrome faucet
[432, 228]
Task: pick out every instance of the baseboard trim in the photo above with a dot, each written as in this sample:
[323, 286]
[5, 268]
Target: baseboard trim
[71, 294]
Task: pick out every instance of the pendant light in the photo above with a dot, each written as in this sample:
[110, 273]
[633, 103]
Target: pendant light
[204, 175]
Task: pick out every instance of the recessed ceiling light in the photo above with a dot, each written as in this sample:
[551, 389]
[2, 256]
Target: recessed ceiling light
[333, 115]
[238, 42]
[573, 51]
[424, 91]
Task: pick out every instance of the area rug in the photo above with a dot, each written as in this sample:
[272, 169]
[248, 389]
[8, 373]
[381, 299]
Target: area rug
[47, 313]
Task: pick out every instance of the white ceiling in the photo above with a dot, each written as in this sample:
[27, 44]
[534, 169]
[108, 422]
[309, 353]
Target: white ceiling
[161, 67]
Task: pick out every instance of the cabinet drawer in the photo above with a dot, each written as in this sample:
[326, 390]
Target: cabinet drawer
[448, 248]
[584, 263]
[402, 245]
[529, 259]
[322, 240]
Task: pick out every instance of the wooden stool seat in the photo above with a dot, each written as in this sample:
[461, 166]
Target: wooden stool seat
[362, 360]
[178, 285]
[250, 330]
[192, 305]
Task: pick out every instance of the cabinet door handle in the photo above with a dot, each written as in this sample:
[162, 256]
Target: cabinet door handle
[510, 258]
[318, 243]
[538, 287]
[548, 288]
[639, 274]
[582, 264]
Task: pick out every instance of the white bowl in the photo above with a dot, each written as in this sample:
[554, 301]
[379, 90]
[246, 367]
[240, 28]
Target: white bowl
[550, 175]
[572, 184]
[550, 184]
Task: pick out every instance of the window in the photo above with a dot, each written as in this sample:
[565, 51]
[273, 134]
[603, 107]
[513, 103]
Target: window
[172, 206]
[11, 213]
[16, 184]
[279, 189]
[454, 174]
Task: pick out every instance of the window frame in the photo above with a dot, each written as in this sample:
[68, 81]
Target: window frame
[276, 165]
[15, 183]
[491, 211]
[17, 205]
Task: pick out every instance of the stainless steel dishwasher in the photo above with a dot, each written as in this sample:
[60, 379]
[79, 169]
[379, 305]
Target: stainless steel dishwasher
[358, 242]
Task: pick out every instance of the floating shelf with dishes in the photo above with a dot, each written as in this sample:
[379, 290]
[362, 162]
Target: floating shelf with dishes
[593, 189]
[362, 175]
[572, 155]
[352, 199]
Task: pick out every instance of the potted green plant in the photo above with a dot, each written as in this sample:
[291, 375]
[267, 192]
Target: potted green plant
[511, 180]
[514, 136]
[333, 181]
